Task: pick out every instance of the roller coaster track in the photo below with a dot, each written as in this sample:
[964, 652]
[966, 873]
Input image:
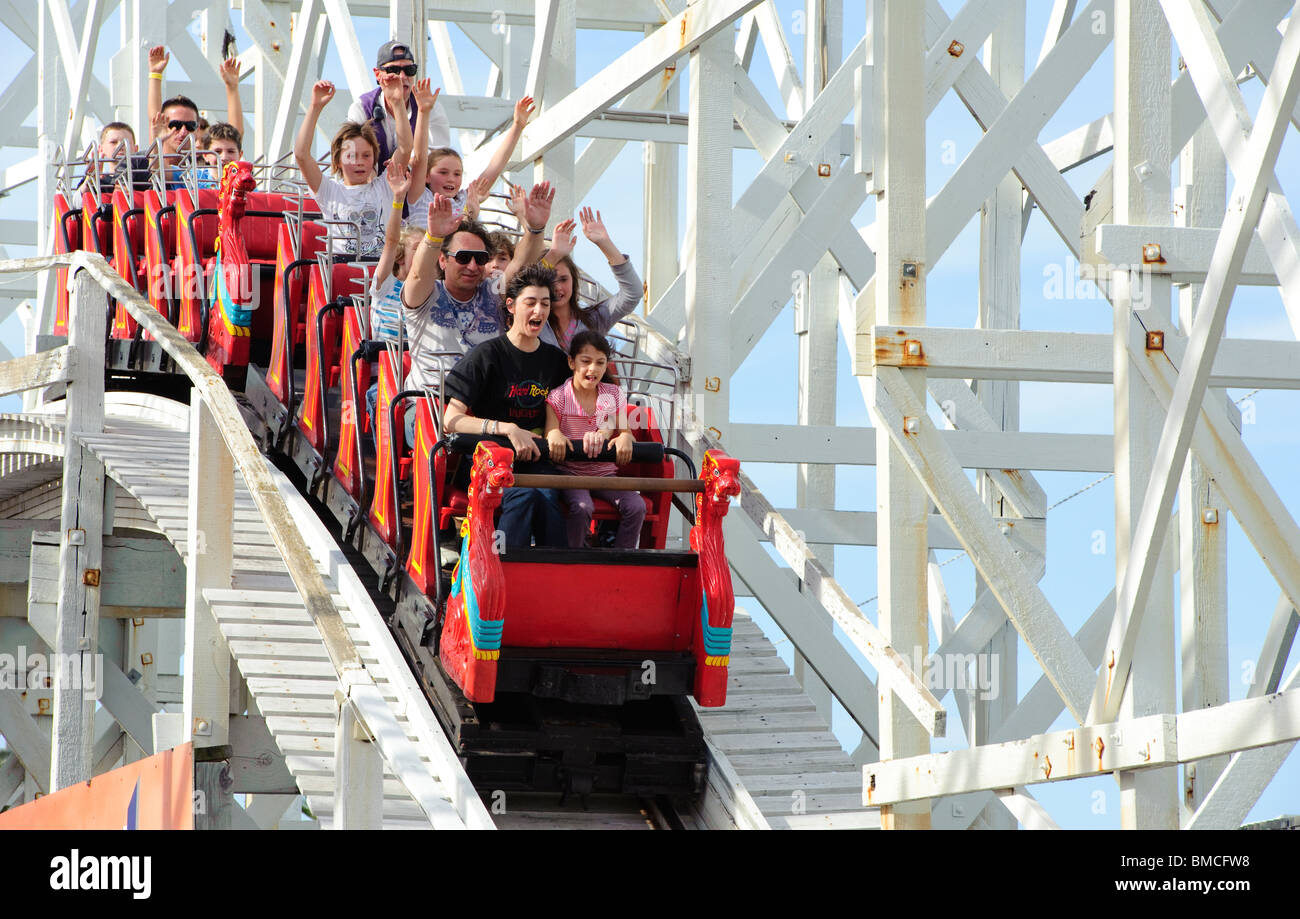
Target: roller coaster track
[308, 640]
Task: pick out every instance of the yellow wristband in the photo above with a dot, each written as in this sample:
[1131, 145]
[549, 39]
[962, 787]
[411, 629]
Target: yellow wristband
[397, 205]
[155, 76]
[547, 265]
[431, 239]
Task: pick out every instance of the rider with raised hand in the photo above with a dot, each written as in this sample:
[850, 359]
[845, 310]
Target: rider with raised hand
[449, 300]
[377, 108]
[361, 197]
[568, 317]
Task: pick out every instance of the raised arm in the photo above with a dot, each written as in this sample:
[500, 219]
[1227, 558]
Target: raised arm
[536, 212]
[395, 95]
[424, 102]
[630, 290]
[424, 268]
[562, 242]
[158, 59]
[495, 166]
[398, 180]
[234, 107]
[321, 93]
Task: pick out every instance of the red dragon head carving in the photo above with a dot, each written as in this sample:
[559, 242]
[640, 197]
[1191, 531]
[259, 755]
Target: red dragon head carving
[721, 475]
[492, 472]
[236, 182]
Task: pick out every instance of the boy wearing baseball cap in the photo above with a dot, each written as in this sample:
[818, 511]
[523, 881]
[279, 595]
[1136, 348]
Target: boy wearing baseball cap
[396, 57]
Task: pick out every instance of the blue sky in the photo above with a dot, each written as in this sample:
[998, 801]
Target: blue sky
[764, 387]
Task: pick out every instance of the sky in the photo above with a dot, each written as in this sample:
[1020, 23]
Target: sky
[1080, 532]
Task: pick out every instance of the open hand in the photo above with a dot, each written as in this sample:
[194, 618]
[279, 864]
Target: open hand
[517, 198]
[592, 226]
[475, 192]
[523, 110]
[537, 207]
[564, 240]
[399, 178]
[424, 97]
[158, 125]
[442, 220]
[229, 71]
[158, 59]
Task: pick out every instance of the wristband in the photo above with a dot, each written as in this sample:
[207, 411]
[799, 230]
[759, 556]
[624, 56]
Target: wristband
[397, 205]
[431, 239]
[155, 76]
[483, 429]
[538, 230]
[547, 265]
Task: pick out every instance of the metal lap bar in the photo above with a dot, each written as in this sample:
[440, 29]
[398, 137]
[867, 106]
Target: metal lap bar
[607, 483]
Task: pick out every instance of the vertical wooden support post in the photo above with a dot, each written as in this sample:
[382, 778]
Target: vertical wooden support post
[214, 803]
[1148, 799]
[208, 560]
[1202, 515]
[274, 50]
[516, 50]
[51, 109]
[408, 21]
[709, 291]
[817, 319]
[901, 553]
[148, 23]
[76, 635]
[358, 775]
[557, 167]
[999, 308]
[660, 196]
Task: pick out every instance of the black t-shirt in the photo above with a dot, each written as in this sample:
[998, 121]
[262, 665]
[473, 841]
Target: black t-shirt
[498, 381]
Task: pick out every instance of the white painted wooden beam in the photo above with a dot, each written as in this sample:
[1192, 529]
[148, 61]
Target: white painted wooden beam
[705, 19]
[1228, 116]
[1066, 357]
[900, 413]
[1137, 744]
[355, 68]
[1027, 809]
[852, 446]
[799, 616]
[81, 547]
[34, 371]
[1175, 438]
[208, 564]
[1184, 253]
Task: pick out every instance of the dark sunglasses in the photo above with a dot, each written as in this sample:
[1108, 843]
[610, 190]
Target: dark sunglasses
[464, 256]
[407, 69]
[187, 125]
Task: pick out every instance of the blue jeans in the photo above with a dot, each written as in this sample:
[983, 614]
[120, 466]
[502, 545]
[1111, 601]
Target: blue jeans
[529, 512]
[372, 400]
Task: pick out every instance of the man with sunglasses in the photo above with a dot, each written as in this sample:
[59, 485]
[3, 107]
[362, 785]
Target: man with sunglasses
[395, 57]
[449, 302]
[178, 120]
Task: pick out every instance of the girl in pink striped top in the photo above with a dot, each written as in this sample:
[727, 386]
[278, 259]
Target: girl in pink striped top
[595, 412]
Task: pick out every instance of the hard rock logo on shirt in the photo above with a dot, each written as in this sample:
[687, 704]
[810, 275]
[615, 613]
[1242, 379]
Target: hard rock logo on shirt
[527, 396]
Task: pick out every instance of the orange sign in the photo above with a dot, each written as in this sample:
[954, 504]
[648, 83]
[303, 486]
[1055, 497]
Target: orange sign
[156, 793]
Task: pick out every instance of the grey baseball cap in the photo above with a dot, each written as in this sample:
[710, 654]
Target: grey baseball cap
[394, 52]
